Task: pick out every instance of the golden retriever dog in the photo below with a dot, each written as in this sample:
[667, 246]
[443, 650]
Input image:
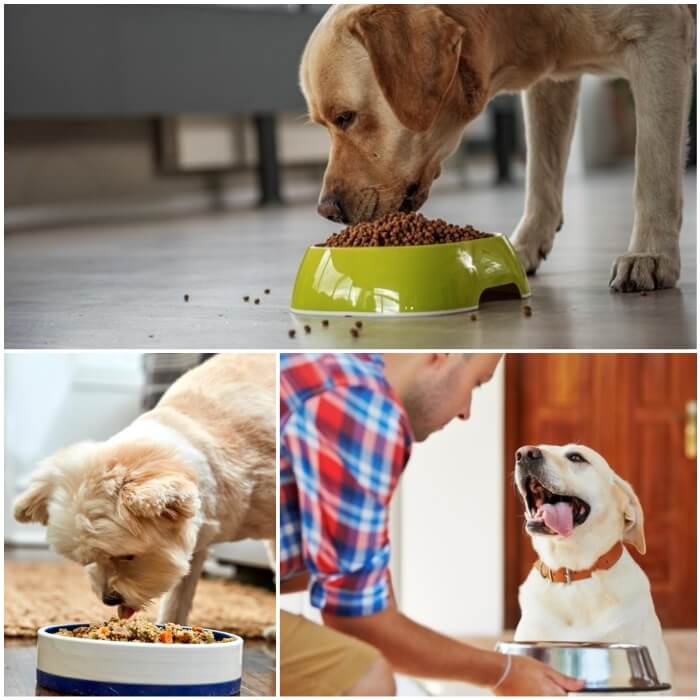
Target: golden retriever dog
[586, 587]
[139, 510]
[395, 85]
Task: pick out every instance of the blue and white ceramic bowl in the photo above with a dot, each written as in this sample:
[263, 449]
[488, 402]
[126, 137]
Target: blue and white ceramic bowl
[74, 666]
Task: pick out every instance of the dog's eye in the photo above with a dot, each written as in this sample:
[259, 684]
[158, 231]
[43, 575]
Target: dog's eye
[344, 119]
[126, 557]
[576, 457]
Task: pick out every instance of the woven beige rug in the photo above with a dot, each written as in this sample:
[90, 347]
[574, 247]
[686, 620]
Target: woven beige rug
[45, 593]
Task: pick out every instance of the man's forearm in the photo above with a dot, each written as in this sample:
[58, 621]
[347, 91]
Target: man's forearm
[419, 651]
[295, 584]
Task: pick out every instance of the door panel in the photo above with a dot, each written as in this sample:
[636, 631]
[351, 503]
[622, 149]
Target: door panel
[631, 409]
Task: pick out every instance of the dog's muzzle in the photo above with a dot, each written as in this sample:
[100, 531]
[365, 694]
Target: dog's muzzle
[528, 456]
[112, 598]
[549, 511]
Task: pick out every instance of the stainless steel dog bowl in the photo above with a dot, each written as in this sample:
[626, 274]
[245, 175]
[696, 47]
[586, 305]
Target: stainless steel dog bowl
[606, 668]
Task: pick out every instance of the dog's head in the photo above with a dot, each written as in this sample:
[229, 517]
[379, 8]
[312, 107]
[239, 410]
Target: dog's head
[394, 85]
[575, 505]
[128, 513]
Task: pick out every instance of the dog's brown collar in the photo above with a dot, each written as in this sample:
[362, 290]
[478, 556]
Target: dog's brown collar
[564, 575]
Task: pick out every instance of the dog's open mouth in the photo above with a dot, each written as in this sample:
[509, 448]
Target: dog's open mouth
[125, 612]
[551, 513]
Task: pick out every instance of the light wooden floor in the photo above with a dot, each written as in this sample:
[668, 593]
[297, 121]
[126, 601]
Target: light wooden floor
[123, 285]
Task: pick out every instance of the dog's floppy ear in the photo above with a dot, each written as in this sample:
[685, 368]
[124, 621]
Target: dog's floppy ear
[160, 496]
[152, 483]
[32, 506]
[414, 52]
[633, 515]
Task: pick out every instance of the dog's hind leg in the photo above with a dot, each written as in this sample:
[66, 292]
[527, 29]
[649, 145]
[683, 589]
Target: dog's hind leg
[550, 117]
[175, 605]
[660, 77]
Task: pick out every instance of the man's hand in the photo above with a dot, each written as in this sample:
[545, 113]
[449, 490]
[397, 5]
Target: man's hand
[530, 677]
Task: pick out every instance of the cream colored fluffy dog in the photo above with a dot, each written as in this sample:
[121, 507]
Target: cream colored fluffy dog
[139, 510]
[396, 84]
[578, 511]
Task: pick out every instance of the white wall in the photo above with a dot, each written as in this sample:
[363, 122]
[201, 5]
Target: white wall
[53, 399]
[450, 557]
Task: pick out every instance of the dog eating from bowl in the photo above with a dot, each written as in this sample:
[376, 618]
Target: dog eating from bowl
[586, 587]
[396, 85]
[140, 509]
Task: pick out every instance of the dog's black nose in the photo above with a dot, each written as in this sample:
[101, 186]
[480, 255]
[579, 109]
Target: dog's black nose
[112, 598]
[528, 453]
[331, 208]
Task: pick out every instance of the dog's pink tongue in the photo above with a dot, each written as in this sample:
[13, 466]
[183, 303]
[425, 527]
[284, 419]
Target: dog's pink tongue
[558, 517]
[124, 612]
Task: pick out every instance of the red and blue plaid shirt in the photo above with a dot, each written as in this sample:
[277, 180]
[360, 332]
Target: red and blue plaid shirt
[344, 442]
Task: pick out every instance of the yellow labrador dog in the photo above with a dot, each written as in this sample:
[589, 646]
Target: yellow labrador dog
[396, 84]
[585, 587]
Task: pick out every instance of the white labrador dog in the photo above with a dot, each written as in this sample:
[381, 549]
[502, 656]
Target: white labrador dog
[586, 587]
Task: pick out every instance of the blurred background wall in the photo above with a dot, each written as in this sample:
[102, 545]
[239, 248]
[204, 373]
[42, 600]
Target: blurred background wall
[450, 522]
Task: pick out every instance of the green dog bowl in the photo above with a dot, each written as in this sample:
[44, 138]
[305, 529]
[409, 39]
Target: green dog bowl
[406, 280]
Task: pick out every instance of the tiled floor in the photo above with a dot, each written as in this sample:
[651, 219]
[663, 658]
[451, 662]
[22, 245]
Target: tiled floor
[123, 285]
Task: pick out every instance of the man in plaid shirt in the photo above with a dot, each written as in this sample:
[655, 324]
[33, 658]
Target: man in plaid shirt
[347, 423]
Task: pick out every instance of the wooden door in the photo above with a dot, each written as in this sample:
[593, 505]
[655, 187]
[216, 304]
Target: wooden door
[631, 409]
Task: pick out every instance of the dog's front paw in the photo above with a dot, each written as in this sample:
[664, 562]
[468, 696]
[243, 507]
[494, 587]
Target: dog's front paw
[531, 253]
[533, 240]
[636, 272]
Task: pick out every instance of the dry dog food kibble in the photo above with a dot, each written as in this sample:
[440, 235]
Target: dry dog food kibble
[136, 629]
[292, 333]
[402, 230]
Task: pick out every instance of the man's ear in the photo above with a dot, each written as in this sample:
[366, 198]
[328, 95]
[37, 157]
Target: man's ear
[414, 50]
[32, 506]
[158, 487]
[633, 515]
